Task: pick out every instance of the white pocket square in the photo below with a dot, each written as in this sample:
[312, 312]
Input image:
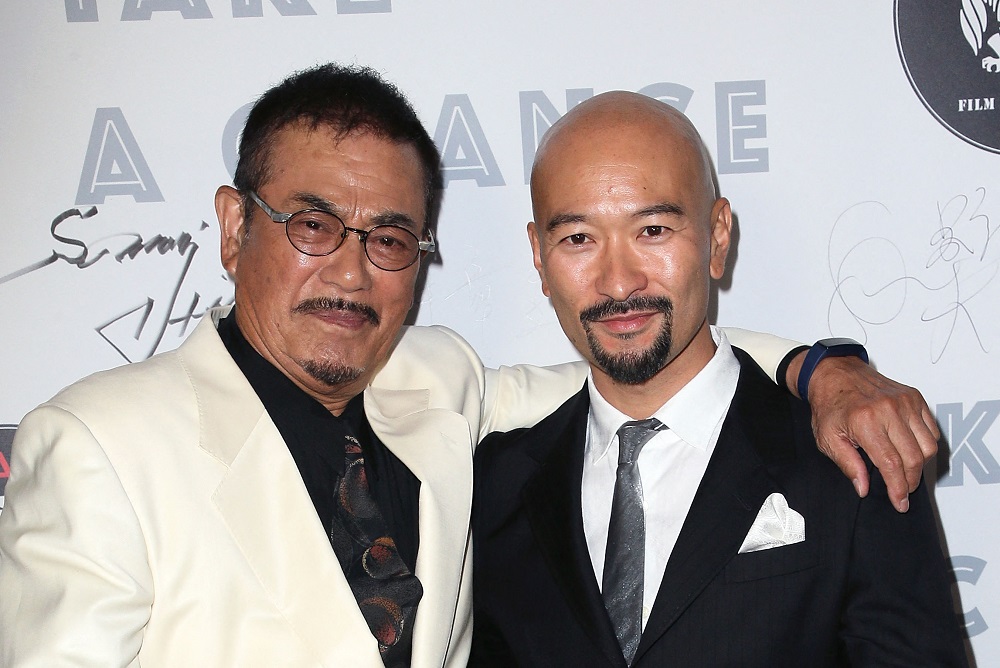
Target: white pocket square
[776, 525]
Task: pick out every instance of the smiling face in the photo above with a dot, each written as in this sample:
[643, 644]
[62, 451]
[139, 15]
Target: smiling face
[626, 236]
[326, 322]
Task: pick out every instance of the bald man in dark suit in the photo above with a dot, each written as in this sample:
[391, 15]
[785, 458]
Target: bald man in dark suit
[676, 511]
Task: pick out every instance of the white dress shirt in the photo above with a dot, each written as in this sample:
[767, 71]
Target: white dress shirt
[671, 465]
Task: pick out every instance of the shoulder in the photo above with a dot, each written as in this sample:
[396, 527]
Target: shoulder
[432, 333]
[147, 397]
[431, 345]
[758, 385]
[112, 421]
[430, 368]
[506, 464]
[564, 424]
[778, 426]
[771, 413]
[429, 354]
[118, 389]
[160, 382]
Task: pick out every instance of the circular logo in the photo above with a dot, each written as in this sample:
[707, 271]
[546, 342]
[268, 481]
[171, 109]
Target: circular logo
[951, 53]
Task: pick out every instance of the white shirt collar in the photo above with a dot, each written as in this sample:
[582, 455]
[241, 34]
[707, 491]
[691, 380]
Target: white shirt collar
[695, 414]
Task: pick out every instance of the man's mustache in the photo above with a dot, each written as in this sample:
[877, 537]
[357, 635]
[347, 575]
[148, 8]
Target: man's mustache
[319, 304]
[610, 307]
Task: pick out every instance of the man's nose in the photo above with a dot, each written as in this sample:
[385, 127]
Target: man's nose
[621, 272]
[348, 267]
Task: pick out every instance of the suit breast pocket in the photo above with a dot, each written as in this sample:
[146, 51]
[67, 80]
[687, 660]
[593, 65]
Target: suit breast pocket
[773, 562]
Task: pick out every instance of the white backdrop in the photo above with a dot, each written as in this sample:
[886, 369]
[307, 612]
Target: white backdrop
[861, 213]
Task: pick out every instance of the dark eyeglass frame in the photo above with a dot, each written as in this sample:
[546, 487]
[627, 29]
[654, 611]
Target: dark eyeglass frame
[423, 246]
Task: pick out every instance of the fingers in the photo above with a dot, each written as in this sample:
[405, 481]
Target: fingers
[854, 404]
[896, 452]
[900, 461]
[850, 463]
[930, 435]
[914, 434]
[912, 441]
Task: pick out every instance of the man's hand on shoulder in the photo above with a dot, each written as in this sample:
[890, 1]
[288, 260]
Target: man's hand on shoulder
[853, 405]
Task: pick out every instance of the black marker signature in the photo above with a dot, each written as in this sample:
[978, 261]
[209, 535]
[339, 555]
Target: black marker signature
[872, 283]
[152, 317]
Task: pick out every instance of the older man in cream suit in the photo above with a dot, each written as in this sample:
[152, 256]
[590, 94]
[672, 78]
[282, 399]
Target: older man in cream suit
[156, 517]
[292, 486]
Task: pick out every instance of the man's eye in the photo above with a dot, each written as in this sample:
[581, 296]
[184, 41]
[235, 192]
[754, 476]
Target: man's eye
[576, 239]
[654, 230]
[312, 224]
[386, 241]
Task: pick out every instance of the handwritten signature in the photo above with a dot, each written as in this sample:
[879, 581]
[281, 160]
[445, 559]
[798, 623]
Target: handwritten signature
[872, 283]
[137, 332]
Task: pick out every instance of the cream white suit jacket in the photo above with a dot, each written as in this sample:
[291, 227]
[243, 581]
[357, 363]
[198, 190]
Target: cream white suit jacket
[155, 517]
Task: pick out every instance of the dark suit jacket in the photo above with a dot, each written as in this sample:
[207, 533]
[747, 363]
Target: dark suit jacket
[868, 586]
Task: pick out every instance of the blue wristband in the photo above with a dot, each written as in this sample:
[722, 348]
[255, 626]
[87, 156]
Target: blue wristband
[821, 350]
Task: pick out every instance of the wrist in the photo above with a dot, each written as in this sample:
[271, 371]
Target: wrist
[838, 347]
[787, 372]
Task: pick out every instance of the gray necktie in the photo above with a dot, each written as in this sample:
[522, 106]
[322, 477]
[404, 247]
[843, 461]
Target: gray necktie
[625, 558]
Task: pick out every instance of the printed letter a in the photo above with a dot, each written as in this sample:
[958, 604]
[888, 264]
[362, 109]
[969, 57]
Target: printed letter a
[114, 164]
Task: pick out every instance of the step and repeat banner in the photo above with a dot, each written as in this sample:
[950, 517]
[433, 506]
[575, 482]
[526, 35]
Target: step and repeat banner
[859, 143]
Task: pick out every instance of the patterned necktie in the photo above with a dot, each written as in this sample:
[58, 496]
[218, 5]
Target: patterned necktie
[386, 591]
[625, 558]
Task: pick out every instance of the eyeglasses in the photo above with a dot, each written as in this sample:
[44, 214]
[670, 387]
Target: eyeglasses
[316, 232]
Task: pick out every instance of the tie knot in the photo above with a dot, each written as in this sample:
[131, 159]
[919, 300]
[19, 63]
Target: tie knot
[633, 435]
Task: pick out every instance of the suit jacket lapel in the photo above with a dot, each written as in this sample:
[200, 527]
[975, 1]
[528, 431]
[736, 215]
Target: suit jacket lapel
[553, 506]
[734, 487]
[435, 445]
[267, 509]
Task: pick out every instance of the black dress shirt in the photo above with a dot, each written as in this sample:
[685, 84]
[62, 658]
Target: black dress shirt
[315, 438]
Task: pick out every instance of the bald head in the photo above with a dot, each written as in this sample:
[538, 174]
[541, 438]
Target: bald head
[622, 124]
[628, 234]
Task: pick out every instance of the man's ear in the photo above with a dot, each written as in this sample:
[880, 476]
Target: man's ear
[229, 209]
[536, 250]
[722, 229]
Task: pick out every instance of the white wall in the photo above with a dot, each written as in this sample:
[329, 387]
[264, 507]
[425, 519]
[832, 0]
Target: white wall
[838, 173]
